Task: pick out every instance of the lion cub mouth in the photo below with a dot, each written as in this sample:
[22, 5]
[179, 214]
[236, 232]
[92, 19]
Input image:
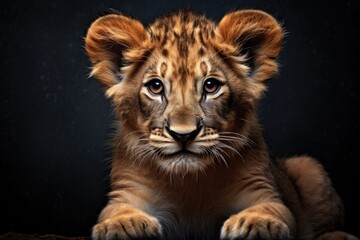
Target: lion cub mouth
[185, 153]
[184, 162]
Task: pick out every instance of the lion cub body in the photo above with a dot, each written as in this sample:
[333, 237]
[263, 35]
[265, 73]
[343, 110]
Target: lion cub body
[190, 161]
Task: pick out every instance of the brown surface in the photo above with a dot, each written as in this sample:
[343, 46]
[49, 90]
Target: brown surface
[19, 236]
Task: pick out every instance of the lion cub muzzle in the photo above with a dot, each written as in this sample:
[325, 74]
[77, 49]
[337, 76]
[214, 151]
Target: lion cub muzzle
[184, 137]
[183, 127]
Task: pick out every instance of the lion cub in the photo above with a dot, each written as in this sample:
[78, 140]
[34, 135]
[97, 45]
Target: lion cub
[190, 161]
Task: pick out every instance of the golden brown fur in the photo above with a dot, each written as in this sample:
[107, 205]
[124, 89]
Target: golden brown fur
[190, 161]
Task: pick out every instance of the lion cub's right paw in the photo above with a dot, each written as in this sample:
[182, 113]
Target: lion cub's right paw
[127, 226]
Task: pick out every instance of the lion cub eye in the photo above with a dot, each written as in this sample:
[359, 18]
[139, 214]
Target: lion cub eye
[212, 85]
[155, 86]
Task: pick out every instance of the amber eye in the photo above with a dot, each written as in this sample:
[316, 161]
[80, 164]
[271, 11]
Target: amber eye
[155, 86]
[212, 85]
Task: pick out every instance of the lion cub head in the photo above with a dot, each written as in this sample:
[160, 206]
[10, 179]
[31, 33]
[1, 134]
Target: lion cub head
[184, 88]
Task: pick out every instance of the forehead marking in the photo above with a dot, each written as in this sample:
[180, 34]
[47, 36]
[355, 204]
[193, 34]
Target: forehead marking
[201, 52]
[163, 68]
[165, 52]
[203, 68]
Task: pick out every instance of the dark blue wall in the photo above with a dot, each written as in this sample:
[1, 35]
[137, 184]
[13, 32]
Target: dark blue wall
[55, 122]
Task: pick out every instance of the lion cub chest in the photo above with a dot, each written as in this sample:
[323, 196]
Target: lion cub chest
[201, 203]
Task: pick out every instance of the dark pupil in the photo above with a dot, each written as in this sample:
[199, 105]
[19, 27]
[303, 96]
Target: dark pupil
[156, 85]
[211, 86]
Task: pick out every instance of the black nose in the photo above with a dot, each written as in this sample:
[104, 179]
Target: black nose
[184, 137]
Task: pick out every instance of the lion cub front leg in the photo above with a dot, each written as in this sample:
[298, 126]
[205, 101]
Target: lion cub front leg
[123, 221]
[265, 221]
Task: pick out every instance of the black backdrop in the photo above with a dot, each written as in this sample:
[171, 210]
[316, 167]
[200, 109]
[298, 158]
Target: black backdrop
[55, 122]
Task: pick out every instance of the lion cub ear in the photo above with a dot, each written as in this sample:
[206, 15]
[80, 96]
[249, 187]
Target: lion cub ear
[257, 36]
[112, 40]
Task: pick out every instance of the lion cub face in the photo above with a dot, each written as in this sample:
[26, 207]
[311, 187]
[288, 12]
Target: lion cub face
[184, 88]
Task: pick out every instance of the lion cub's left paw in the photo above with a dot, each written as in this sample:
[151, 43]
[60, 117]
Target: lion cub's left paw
[253, 226]
[337, 235]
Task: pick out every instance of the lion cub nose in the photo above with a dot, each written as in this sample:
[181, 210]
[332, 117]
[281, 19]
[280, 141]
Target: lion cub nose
[184, 135]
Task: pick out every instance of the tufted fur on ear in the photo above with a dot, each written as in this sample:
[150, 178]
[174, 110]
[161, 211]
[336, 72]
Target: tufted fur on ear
[111, 41]
[255, 35]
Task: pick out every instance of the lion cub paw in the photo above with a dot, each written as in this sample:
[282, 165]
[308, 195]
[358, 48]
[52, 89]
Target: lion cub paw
[337, 235]
[254, 226]
[128, 226]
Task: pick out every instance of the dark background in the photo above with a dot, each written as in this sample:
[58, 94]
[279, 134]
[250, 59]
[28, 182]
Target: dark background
[55, 122]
